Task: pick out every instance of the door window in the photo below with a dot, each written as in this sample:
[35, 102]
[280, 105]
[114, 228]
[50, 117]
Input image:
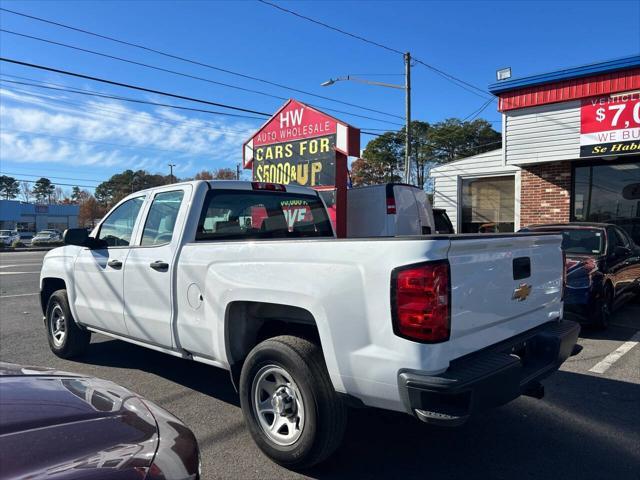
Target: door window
[158, 230]
[116, 230]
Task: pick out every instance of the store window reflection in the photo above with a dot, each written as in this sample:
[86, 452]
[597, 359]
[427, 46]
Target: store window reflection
[488, 204]
[608, 193]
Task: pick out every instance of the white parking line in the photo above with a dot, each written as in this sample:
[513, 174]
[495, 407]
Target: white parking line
[614, 356]
[16, 273]
[20, 265]
[19, 295]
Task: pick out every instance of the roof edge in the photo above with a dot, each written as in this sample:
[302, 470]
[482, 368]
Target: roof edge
[566, 74]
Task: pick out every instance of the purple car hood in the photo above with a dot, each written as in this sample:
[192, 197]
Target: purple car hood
[59, 425]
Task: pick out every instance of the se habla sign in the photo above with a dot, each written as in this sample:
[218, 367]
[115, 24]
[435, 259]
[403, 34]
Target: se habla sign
[610, 125]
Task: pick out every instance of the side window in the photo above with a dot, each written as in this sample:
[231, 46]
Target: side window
[161, 220]
[116, 230]
[622, 239]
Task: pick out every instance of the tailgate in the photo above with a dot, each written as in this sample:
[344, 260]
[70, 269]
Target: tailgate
[502, 285]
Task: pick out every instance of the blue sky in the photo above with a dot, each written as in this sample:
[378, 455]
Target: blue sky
[78, 139]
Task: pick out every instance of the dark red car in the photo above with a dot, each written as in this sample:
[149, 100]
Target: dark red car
[59, 425]
[602, 266]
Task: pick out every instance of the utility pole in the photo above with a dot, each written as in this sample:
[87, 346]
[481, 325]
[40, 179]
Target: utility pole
[237, 171]
[407, 89]
[171, 165]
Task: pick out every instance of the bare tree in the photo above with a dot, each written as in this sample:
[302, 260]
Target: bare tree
[25, 191]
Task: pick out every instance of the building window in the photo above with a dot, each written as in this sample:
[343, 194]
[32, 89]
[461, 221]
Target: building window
[27, 224]
[488, 204]
[608, 193]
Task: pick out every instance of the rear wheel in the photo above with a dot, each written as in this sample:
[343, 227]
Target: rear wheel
[66, 339]
[293, 413]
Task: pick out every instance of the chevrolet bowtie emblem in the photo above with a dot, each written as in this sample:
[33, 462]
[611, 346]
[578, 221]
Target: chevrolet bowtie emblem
[522, 292]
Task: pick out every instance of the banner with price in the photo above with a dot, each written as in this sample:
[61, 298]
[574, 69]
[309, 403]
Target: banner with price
[610, 125]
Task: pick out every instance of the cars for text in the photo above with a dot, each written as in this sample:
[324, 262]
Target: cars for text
[249, 277]
[60, 425]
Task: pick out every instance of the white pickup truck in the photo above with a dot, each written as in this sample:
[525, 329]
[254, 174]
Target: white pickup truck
[249, 277]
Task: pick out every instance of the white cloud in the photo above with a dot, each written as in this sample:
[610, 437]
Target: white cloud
[37, 127]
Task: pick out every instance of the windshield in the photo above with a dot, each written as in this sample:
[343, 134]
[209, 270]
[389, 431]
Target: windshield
[44, 233]
[583, 241]
[5, 232]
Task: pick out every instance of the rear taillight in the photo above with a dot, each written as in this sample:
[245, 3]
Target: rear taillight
[421, 301]
[276, 187]
[391, 205]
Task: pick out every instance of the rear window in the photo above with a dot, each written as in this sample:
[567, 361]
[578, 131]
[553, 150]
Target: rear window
[238, 214]
[583, 241]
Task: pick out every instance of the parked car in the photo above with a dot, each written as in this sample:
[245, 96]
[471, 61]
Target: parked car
[388, 210]
[442, 222]
[248, 276]
[7, 237]
[47, 236]
[63, 425]
[603, 269]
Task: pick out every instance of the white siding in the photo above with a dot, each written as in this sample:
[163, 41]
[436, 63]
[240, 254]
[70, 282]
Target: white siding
[547, 133]
[447, 180]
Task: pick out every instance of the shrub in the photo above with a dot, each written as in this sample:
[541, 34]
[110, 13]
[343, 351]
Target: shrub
[46, 244]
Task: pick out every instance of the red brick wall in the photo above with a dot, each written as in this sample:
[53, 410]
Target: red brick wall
[545, 193]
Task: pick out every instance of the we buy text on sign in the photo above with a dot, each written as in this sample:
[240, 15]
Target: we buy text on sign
[610, 125]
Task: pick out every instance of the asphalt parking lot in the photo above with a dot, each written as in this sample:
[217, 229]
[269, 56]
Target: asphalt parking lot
[586, 427]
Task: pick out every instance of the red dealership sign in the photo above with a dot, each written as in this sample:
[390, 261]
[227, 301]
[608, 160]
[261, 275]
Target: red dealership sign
[610, 125]
[304, 146]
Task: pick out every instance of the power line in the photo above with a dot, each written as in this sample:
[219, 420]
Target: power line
[196, 62]
[52, 86]
[336, 29]
[460, 83]
[477, 111]
[457, 81]
[182, 74]
[133, 87]
[128, 99]
[199, 124]
[79, 140]
[51, 176]
[57, 183]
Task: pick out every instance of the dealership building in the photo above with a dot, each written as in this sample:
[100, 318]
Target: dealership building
[570, 152]
[29, 218]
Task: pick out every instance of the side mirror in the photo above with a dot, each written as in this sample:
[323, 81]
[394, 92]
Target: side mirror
[75, 236]
[620, 251]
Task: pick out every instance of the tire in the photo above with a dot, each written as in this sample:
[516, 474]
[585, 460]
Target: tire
[312, 414]
[66, 338]
[603, 316]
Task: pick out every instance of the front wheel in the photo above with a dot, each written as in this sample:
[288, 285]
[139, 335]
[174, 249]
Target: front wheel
[291, 408]
[66, 339]
[605, 308]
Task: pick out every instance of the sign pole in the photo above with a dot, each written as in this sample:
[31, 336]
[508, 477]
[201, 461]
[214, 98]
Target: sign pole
[341, 195]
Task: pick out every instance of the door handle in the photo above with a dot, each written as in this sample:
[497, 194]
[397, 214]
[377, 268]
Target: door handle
[159, 265]
[115, 263]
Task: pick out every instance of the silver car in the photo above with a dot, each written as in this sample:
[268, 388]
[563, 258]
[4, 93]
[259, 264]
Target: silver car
[47, 236]
[7, 237]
